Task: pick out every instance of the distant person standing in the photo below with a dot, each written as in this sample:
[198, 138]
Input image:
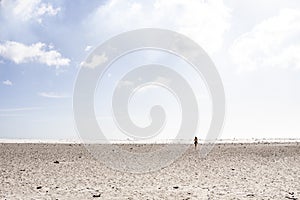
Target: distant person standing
[195, 142]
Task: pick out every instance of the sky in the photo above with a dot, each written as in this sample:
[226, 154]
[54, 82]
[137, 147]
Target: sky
[254, 44]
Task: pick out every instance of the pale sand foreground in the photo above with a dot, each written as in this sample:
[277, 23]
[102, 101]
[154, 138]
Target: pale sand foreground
[231, 171]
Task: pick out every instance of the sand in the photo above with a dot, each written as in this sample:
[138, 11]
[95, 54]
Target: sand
[230, 171]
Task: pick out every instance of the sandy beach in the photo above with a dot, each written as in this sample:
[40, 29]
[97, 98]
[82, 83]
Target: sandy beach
[230, 171]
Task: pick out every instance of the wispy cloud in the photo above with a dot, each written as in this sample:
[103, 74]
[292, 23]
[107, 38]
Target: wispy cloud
[53, 95]
[11, 115]
[19, 109]
[272, 43]
[29, 9]
[38, 52]
[125, 83]
[7, 82]
[203, 21]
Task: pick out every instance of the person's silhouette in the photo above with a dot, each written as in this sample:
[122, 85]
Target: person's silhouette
[196, 142]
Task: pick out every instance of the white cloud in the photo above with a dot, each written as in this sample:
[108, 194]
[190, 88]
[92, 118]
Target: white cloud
[88, 48]
[53, 95]
[275, 42]
[7, 82]
[21, 53]
[203, 21]
[95, 61]
[29, 9]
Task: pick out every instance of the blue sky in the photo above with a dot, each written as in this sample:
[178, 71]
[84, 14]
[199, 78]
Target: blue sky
[254, 44]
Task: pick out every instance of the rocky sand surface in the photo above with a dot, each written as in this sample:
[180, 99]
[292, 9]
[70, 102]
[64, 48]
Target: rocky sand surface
[230, 171]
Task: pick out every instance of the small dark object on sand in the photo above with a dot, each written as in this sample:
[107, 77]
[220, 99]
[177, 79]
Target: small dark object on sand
[39, 187]
[292, 198]
[175, 187]
[97, 195]
[56, 162]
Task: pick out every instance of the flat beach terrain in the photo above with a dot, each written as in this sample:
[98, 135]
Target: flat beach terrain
[230, 171]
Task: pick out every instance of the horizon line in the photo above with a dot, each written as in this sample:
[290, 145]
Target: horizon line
[165, 141]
